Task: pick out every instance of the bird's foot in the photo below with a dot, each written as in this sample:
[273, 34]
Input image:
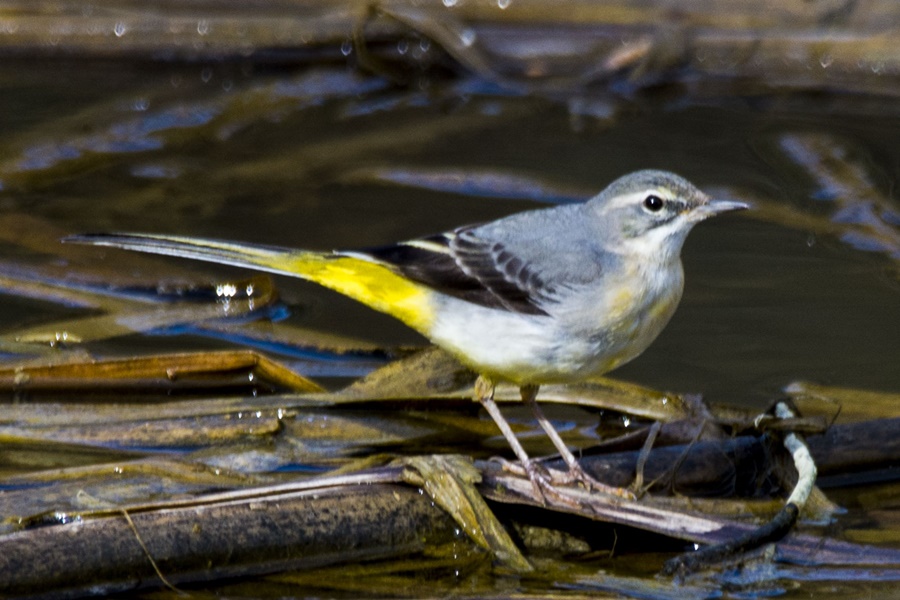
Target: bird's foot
[576, 474]
[542, 479]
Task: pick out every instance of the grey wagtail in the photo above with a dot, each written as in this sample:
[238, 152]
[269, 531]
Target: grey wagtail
[555, 295]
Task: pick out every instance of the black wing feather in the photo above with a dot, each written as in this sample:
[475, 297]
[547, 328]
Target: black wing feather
[465, 266]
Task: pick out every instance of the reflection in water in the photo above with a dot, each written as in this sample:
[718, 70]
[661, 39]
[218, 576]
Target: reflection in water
[837, 167]
[134, 135]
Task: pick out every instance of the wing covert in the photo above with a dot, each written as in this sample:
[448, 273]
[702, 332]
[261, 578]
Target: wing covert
[463, 265]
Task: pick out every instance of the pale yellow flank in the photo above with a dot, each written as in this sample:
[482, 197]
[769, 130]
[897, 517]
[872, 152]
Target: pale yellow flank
[621, 304]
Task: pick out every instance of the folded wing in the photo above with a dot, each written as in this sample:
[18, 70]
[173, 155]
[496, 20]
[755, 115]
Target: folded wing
[463, 265]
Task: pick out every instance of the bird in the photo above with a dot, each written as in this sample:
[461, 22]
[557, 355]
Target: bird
[552, 295]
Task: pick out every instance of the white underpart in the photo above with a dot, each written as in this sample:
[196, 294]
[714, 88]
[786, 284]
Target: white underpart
[589, 332]
[493, 341]
[660, 242]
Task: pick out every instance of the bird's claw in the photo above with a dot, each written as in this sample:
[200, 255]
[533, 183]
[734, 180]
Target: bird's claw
[547, 480]
[542, 479]
[576, 474]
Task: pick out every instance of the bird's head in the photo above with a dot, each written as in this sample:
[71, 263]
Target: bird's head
[649, 213]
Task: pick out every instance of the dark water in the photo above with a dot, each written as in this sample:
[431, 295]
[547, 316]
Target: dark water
[285, 157]
[272, 158]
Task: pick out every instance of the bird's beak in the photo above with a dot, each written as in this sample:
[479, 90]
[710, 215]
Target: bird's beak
[717, 206]
[714, 207]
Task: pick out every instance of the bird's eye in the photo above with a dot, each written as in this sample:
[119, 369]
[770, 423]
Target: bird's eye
[653, 203]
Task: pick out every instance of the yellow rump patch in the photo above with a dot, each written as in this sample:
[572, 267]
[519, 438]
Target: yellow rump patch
[370, 283]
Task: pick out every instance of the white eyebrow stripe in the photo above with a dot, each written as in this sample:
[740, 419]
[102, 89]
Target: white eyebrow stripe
[637, 197]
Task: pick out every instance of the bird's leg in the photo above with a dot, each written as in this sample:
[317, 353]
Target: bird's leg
[484, 392]
[576, 473]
